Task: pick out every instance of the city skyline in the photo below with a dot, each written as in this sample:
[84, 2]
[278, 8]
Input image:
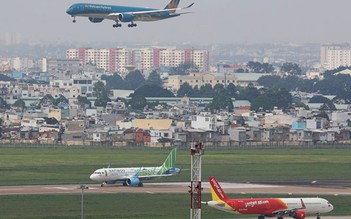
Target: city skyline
[223, 21]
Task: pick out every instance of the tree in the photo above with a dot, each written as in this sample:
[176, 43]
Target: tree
[300, 104]
[134, 79]
[319, 99]
[101, 94]
[231, 90]
[248, 93]
[271, 98]
[327, 107]
[114, 82]
[258, 67]
[219, 89]
[221, 102]
[152, 91]
[206, 91]
[185, 89]
[138, 102]
[60, 100]
[83, 102]
[47, 100]
[291, 68]
[20, 104]
[182, 69]
[154, 79]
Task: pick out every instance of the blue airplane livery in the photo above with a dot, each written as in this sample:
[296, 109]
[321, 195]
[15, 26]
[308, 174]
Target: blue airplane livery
[99, 12]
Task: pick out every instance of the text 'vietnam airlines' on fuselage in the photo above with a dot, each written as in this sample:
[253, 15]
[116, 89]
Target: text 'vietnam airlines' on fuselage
[134, 176]
[267, 207]
[99, 12]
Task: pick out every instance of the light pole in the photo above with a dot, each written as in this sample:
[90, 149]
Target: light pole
[82, 187]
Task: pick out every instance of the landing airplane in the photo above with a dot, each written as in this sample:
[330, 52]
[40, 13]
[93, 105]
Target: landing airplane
[99, 12]
[134, 176]
[267, 207]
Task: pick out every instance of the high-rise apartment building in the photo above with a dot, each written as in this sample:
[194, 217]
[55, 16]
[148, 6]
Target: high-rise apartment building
[334, 56]
[119, 59]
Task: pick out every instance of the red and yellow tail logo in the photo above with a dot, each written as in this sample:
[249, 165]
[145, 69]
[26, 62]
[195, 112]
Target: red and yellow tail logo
[216, 190]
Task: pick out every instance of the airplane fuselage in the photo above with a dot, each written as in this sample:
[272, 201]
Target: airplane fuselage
[265, 206]
[120, 174]
[103, 11]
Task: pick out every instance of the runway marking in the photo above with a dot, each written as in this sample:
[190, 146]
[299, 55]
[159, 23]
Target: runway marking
[149, 192]
[60, 188]
[12, 189]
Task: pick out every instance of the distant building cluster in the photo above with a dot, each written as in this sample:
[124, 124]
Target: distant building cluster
[335, 55]
[123, 59]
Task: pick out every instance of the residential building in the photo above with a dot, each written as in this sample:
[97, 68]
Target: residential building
[335, 55]
[123, 59]
[63, 68]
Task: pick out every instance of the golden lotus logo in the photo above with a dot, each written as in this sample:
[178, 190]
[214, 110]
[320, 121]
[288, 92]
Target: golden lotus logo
[173, 4]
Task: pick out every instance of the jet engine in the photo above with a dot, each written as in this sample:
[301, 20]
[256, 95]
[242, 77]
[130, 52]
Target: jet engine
[133, 182]
[298, 214]
[95, 20]
[125, 17]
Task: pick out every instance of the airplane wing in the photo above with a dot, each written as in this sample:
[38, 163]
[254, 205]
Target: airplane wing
[288, 211]
[140, 15]
[154, 176]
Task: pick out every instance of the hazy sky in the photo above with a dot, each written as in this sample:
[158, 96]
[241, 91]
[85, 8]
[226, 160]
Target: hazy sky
[212, 21]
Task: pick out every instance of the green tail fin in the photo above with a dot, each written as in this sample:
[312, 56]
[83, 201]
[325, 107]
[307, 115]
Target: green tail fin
[170, 161]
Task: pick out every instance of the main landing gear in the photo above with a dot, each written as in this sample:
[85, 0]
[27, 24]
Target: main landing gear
[281, 217]
[102, 184]
[117, 25]
[132, 25]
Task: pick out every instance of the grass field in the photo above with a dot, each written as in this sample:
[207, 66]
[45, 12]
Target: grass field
[21, 166]
[123, 205]
[65, 166]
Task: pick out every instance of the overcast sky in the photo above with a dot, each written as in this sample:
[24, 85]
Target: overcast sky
[212, 21]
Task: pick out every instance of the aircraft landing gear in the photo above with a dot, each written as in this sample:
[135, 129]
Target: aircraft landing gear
[261, 217]
[140, 185]
[102, 184]
[280, 217]
[117, 25]
[318, 216]
[74, 20]
[125, 184]
[132, 25]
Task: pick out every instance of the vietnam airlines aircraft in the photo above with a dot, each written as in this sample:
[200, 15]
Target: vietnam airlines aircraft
[267, 207]
[134, 176]
[98, 12]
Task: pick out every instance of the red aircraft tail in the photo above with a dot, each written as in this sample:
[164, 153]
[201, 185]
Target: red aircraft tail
[216, 190]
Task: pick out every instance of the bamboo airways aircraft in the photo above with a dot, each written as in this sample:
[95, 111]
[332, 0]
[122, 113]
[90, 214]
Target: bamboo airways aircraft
[134, 176]
[99, 12]
[267, 207]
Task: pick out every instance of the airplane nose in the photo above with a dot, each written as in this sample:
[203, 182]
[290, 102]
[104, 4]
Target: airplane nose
[69, 11]
[92, 177]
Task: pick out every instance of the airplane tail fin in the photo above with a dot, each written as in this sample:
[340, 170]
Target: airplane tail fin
[172, 4]
[217, 191]
[170, 161]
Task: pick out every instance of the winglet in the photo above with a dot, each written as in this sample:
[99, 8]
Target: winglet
[216, 190]
[190, 5]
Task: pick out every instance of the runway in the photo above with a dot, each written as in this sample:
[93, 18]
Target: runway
[180, 187]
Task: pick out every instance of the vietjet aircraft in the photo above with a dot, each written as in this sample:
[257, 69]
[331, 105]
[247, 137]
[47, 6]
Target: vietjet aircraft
[134, 176]
[267, 207]
[98, 12]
